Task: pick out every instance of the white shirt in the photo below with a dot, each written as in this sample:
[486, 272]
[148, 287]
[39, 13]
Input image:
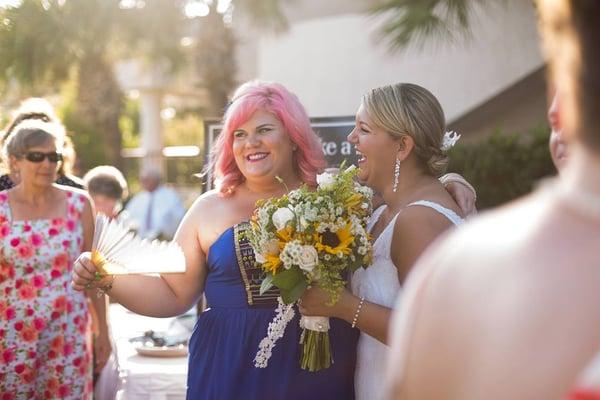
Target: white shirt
[165, 214]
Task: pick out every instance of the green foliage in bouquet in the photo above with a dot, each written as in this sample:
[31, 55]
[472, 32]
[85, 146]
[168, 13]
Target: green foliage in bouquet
[313, 235]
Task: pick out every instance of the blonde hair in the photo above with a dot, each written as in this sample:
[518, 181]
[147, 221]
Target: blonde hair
[31, 133]
[409, 109]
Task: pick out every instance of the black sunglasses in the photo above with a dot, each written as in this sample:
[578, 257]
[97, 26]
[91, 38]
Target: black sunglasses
[38, 156]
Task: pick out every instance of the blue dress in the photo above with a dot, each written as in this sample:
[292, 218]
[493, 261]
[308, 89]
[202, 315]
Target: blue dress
[226, 337]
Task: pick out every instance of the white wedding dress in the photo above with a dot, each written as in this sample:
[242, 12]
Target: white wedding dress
[379, 284]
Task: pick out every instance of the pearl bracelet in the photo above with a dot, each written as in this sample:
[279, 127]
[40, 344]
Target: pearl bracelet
[355, 319]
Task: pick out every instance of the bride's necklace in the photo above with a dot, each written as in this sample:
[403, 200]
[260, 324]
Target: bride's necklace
[578, 200]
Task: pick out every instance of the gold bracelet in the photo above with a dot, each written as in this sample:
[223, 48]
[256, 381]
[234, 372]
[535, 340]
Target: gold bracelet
[357, 312]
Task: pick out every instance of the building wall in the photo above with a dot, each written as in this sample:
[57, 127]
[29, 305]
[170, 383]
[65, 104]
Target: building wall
[330, 61]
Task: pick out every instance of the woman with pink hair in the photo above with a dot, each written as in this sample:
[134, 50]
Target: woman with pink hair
[266, 138]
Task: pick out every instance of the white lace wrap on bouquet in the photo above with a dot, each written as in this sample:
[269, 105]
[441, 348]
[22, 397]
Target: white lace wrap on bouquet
[283, 315]
[318, 324]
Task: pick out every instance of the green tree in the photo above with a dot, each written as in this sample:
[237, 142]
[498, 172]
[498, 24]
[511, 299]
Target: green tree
[416, 21]
[44, 42]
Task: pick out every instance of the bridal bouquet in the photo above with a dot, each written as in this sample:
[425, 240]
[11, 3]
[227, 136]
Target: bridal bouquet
[310, 237]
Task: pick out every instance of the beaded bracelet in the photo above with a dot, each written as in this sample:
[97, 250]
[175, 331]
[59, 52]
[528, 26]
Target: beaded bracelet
[355, 319]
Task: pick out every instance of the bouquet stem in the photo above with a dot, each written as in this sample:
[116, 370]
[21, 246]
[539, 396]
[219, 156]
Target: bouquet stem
[316, 349]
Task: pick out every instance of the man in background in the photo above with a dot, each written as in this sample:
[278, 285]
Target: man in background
[157, 210]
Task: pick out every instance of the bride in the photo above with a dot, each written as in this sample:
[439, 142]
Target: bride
[399, 136]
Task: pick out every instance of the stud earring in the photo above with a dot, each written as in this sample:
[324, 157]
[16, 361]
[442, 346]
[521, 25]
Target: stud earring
[396, 174]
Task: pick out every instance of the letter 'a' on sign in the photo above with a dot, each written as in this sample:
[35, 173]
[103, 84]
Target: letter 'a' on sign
[333, 132]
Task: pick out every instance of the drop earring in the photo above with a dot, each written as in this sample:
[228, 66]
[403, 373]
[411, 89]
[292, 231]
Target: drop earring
[396, 174]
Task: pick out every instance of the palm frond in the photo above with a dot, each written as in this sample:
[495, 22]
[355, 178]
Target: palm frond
[414, 22]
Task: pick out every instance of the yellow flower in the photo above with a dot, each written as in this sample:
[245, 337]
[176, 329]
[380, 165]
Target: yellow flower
[335, 242]
[272, 264]
[284, 235]
[353, 203]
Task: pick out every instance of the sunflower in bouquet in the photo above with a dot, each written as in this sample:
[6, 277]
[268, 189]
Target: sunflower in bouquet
[310, 237]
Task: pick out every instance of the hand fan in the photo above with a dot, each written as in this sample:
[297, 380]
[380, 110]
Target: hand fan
[118, 251]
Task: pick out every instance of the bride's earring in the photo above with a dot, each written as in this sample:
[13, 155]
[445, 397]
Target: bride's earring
[396, 174]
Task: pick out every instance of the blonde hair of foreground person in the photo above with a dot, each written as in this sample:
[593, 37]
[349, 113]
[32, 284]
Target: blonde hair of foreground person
[507, 306]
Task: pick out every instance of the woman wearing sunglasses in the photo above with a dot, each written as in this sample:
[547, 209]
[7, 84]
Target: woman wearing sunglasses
[39, 109]
[45, 336]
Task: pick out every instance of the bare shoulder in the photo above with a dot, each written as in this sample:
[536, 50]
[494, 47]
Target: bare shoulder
[206, 203]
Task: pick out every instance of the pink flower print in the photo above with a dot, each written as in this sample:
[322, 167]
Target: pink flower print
[8, 396]
[29, 312]
[8, 356]
[27, 292]
[57, 222]
[18, 283]
[71, 225]
[19, 325]
[3, 219]
[69, 307]
[28, 269]
[38, 281]
[14, 242]
[77, 361]
[4, 231]
[10, 313]
[29, 334]
[52, 354]
[27, 228]
[55, 315]
[8, 290]
[25, 251]
[81, 199]
[72, 210]
[66, 243]
[64, 390]
[3, 197]
[20, 368]
[60, 303]
[39, 324]
[2, 333]
[69, 195]
[29, 376]
[31, 354]
[36, 240]
[68, 349]
[60, 262]
[55, 274]
[52, 232]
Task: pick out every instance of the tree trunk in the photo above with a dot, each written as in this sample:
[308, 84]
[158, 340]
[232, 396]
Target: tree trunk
[100, 104]
[215, 62]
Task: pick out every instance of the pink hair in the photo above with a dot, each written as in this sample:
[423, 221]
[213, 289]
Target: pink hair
[276, 99]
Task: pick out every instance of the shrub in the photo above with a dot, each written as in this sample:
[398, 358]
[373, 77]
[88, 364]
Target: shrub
[503, 166]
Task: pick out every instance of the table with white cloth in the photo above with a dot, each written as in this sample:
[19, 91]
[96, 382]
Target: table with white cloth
[142, 377]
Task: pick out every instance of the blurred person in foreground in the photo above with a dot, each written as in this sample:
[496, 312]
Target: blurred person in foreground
[45, 326]
[507, 306]
[35, 108]
[157, 210]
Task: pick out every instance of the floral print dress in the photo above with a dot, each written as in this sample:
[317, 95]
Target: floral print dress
[45, 331]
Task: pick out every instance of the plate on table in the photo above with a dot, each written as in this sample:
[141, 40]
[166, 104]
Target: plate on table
[162, 351]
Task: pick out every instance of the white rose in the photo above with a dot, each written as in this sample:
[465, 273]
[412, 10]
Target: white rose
[308, 258]
[260, 258]
[281, 217]
[325, 180]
